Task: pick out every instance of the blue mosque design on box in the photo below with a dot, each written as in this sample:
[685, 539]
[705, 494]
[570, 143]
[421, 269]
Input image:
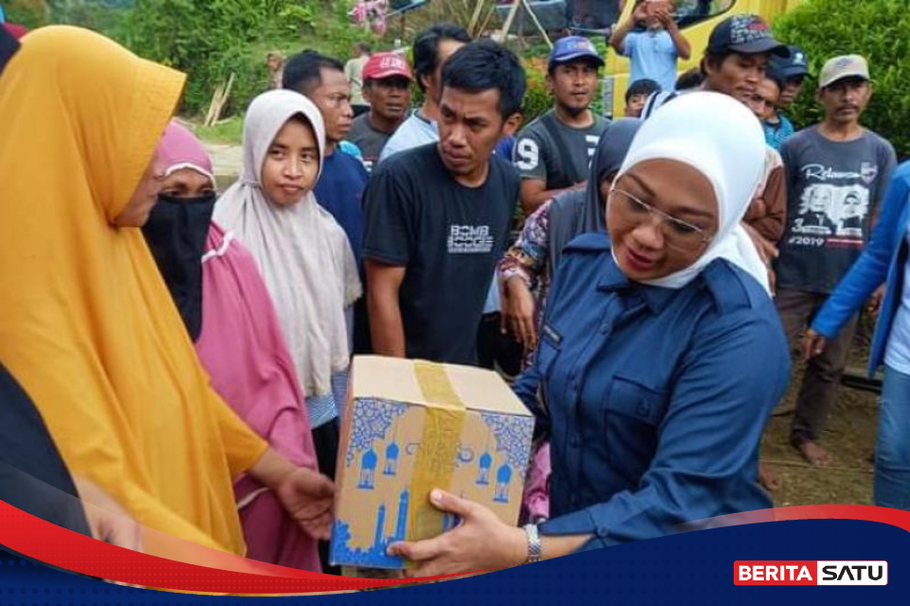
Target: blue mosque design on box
[371, 422]
[513, 437]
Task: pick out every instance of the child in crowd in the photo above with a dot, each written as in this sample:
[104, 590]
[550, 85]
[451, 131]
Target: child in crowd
[636, 95]
[777, 126]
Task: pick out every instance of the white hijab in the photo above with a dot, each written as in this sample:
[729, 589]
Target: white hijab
[720, 138]
[303, 254]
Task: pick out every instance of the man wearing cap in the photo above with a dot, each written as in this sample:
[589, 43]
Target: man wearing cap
[554, 151]
[737, 56]
[793, 70]
[736, 60]
[840, 169]
[777, 126]
[788, 74]
[734, 64]
[386, 87]
[652, 53]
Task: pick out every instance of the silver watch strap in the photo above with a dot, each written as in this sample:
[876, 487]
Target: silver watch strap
[534, 547]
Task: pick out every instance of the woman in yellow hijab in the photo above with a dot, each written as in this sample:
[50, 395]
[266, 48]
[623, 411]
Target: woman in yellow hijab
[87, 325]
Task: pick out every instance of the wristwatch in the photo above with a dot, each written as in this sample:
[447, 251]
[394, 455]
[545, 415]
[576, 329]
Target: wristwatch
[534, 547]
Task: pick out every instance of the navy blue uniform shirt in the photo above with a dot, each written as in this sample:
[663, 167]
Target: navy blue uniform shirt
[654, 399]
[340, 191]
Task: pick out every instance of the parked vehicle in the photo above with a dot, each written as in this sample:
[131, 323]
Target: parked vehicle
[696, 19]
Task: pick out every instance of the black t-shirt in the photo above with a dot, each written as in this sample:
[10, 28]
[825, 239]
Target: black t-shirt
[449, 237]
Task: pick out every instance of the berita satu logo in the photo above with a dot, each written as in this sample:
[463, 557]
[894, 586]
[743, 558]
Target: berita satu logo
[810, 572]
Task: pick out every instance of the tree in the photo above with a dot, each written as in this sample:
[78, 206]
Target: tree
[212, 40]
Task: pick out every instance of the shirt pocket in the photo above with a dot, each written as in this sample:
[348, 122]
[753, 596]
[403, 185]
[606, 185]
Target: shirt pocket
[632, 413]
[632, 400]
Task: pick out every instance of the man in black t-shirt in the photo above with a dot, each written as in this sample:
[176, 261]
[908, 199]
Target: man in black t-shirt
[437, 216]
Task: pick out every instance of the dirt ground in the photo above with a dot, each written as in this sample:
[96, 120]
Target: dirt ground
[850, 437]
[228, 162]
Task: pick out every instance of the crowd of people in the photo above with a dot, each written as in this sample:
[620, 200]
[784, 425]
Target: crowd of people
[179, 359]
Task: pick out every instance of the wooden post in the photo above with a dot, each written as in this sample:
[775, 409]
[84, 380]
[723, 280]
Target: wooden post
[219, 99]
[504, 34]
[475, 18]
[537, 23]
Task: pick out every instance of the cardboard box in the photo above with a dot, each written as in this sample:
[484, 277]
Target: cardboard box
[412, 426]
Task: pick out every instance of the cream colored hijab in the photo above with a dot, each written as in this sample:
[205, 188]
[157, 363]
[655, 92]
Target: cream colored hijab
[721, 139]
[301, 251]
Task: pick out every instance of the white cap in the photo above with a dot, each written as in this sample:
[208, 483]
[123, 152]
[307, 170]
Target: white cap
[846, 66]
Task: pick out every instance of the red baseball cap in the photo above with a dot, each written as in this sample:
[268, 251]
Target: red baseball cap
[386, 65]
[16, 30]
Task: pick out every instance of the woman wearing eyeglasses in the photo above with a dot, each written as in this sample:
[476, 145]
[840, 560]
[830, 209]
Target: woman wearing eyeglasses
[660, 359]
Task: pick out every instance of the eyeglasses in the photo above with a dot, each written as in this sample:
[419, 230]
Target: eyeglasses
[678, 234]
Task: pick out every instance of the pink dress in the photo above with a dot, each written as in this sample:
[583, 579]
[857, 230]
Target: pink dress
[242, 347]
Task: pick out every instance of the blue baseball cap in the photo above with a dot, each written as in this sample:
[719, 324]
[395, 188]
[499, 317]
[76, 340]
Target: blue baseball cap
[571, 48]
[797, 64]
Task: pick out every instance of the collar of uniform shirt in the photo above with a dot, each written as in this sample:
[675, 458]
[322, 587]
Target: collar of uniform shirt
[711, 278]
[655, 297]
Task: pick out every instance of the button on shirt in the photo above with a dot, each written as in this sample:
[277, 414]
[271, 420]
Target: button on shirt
[654, 399]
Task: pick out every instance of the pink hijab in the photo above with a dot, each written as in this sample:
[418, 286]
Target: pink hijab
[243, 349]
[181, 149]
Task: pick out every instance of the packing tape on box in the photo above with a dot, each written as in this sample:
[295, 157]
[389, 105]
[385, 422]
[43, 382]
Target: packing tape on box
[439, 443]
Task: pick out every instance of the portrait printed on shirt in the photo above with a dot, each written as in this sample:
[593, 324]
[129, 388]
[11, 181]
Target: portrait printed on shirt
[833, 214]
[830, 210]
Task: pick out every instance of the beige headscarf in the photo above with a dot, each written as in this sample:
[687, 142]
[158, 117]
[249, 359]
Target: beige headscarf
[302, 252]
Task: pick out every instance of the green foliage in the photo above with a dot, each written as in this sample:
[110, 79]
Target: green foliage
[876, 29]
[537, 98]
[30, 13]
[296, 16]
[333, 33]
[212, 40]
[109, 17]
[208, 40]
